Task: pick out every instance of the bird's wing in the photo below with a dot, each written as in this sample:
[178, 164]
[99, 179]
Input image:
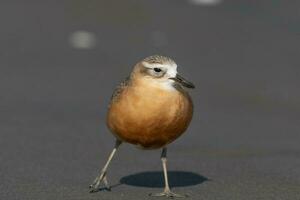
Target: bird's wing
[119, 89]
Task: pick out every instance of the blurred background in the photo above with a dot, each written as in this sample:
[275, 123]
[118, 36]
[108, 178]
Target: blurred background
[60, 61]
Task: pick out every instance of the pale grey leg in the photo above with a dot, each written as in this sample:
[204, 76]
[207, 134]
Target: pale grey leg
[167, 192]
[102, 177]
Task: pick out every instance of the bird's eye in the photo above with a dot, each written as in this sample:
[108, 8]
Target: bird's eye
[157, 69]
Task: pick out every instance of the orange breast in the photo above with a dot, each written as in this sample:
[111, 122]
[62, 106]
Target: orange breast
[150, 117]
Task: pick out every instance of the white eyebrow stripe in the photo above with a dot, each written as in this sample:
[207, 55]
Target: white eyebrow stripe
[170, 68]
[148, 65]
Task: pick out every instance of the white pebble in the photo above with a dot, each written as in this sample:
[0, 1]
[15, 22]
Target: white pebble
[205, 2]
[82, 40]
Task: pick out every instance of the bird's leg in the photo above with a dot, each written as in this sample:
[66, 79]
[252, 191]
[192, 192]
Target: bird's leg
[167, 192]
[102, 177]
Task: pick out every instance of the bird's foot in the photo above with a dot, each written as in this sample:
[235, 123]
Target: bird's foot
[167, 193]
[95, 187]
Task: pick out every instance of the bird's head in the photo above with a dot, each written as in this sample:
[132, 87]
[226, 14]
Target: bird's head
[161, 71]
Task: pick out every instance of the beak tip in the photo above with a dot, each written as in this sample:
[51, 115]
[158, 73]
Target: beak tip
[192, 86]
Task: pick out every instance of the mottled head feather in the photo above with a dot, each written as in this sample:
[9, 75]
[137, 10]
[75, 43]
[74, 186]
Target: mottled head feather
[158, 59]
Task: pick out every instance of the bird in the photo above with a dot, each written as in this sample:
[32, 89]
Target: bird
[150, 109]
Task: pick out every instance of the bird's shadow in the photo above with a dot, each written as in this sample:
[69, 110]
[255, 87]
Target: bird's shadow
[155, 179]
